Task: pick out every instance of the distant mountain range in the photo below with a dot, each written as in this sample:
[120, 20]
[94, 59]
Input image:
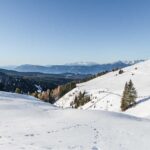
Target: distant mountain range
[75, 68]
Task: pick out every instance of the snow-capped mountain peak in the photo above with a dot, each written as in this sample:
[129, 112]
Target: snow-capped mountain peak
[82, 64]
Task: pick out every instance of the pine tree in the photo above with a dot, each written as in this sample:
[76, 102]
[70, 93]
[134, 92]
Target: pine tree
[125, 99]
[132, 93]
[129, 96]
[80, 100]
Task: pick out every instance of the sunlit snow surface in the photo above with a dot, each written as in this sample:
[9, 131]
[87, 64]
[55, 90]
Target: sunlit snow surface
[106, 91]
[29, 124]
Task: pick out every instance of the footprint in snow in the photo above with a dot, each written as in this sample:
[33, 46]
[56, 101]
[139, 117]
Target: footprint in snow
[22, 147]
[60, 141]
[31, 135]
[94, 148]
[96, 136]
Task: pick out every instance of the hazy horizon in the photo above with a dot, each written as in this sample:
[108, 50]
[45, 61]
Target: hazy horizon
[73, 63]
[52, 32]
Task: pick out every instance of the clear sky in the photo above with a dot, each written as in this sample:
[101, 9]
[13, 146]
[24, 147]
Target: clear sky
[63, 31]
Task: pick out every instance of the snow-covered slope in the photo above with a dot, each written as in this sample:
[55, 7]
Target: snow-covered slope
[106, 91]
[28, 124]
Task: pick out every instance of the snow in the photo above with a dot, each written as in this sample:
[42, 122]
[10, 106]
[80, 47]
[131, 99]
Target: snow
[82, 64]
[29, 124]
[106, 91]
[39, 88]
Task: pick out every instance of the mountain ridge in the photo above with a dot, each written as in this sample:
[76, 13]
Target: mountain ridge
[106, 91]
[77, 68]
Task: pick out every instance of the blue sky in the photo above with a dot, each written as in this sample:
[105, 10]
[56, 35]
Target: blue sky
[63, 31]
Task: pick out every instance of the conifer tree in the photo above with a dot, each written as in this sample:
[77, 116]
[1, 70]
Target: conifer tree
[132, 93]
[129, 96]
[125, 99]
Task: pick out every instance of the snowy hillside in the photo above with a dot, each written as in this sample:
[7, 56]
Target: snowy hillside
[28, 124]
[106, 91]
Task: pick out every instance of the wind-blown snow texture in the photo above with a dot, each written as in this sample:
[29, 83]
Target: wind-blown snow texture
[29, 124]
[106, 91]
